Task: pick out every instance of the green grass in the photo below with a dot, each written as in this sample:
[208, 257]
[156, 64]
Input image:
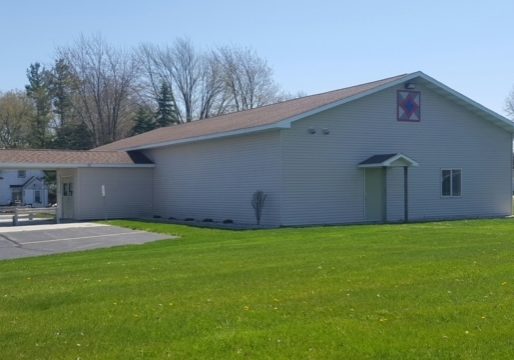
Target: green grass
[434, 290]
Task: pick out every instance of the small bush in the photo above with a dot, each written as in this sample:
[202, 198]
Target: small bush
[189, 219]
[157, 216]
[228, 221]
[207, 220]
[258, 199]
[171, 218]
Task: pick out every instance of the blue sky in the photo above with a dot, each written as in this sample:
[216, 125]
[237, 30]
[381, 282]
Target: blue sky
[313, 46]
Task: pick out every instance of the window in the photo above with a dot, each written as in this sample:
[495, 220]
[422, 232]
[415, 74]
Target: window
[37, 196]
[451, 182]
[22, 173]
[67, 189]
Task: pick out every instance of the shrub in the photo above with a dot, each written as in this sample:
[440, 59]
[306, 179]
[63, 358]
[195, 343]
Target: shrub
[258, 199]
[207, 220]
[189, 219]
[228, 221]
[157, 216]
[171, 218]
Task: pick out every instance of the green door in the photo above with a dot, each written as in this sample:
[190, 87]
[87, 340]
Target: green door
[375, 194]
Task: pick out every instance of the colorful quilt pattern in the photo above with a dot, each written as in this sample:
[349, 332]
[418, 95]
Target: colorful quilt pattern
[409, 105]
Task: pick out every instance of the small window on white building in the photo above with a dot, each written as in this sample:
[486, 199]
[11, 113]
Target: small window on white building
[451, 182]
[22, 174]
[37, 196]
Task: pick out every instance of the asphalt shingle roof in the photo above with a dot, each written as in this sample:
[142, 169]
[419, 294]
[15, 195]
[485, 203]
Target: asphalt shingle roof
[72, 157]
[261, 116]
[377, 159]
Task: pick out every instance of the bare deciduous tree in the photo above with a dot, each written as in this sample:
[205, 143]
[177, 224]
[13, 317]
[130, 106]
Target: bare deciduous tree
[16, 113]
[509, 105]
[105, 92]
[186, 72]
[247, 78]
[207, 84]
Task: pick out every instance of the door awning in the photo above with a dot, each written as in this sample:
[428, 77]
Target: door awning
[387, 160]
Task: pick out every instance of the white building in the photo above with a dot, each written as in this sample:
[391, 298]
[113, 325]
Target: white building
[23, 186]
[406, 147]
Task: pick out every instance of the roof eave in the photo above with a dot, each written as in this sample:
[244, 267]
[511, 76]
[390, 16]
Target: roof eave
[470, 104]
[252, 130]
[46, 166]
[390, 161]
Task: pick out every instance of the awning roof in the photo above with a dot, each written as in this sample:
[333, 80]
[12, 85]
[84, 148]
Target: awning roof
[387, 160]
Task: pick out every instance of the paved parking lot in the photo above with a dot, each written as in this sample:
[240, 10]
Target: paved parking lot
[36, 240]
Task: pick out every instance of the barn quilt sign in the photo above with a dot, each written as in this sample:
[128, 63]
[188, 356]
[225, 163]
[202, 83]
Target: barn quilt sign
[409, 105]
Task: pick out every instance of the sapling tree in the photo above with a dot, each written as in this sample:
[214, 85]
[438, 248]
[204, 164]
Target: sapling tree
[258, 199]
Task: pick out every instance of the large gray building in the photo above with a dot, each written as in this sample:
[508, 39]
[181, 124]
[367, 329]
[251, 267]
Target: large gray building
[402, 147]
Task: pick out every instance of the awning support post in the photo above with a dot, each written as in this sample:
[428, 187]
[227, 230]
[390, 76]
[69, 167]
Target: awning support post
[384, 194]
[406, 193]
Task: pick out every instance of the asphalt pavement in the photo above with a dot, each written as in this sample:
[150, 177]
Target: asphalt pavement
[37, 240]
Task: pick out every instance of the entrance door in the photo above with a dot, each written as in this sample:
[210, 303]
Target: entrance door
[16, 197]
[67, 197]
[375, 194]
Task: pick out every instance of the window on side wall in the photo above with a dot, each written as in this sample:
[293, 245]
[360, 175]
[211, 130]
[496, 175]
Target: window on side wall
[22, 173]
[451, 182]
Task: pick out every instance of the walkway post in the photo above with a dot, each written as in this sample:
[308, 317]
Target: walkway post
[406, 194]
[384, 194]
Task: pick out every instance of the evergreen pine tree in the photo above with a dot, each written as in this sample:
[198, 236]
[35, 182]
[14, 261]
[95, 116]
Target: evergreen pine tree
[62, 84]
[38, 90]
[72, 136]
[167, 111]
[144, 121]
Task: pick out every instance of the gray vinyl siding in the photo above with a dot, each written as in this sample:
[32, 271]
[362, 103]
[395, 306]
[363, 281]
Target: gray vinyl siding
[216, 179]
[322, 184]
[128, 193]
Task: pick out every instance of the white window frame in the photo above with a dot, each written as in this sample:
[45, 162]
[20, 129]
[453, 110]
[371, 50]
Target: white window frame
[451, 183]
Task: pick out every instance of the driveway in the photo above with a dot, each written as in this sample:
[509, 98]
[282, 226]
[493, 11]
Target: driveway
[36, 240]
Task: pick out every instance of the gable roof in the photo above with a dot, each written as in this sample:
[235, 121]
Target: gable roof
[44, 159]
[282, 114]
[387, 160]
[26, 183]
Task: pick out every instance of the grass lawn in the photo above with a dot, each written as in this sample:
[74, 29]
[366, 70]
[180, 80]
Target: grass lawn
[435, 290]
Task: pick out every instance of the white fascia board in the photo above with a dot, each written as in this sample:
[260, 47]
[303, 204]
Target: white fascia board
[46, 166]
[400, 157]
[370, 165]
[251, 130]
[471, 104]
[388, 162]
